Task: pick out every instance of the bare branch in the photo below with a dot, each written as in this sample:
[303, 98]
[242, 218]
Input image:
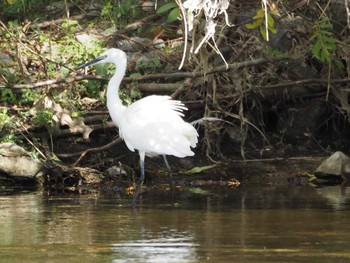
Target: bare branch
[53, 82]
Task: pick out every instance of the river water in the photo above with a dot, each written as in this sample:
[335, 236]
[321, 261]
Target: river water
[250, 223]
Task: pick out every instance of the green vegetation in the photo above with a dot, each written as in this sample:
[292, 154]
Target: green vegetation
[324, 43]
[30, 53]
[259, 21]
[21, 8]
[120, 12]
[172, 11]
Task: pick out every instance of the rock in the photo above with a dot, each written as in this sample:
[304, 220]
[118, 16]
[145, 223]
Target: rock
[336, 167]
[115, 171]
[18, 164]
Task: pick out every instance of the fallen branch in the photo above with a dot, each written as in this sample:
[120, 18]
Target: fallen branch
[91, 150]
[304, 82]
[157, 88]
[57, 21]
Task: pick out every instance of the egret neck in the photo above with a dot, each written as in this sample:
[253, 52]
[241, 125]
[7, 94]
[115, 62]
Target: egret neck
[115, 105]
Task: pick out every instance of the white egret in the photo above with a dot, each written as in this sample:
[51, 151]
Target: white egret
[152, 125]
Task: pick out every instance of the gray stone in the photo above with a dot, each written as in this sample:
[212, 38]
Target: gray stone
[337, 166]
[17, 163]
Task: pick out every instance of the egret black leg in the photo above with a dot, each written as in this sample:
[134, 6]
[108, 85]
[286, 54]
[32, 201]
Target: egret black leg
[170, 174]
[142, 178]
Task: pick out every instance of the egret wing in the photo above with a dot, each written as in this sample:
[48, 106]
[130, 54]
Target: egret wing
[154, 125]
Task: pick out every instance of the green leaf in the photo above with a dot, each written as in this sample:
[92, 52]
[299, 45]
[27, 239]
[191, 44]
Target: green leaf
[271, 24]
[166, 7]
[263, 32]
[331, 47]
[64, 72]
[173, 15]
[324, 42]
[197, 169]
[276, 52]
[339, 64]
[259, 14]
[329, 40]
[325, 24]
[273, 30]
[8, 95]
[314, 35]
[101, 69]
[325, 57]
[255, 24]
[270, 21]
[316, 48]
[326, 33]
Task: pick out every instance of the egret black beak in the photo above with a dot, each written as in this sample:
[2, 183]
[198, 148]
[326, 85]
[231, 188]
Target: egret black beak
[92, 62]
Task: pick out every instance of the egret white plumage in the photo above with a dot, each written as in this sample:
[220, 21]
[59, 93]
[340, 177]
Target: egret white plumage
[152, 125]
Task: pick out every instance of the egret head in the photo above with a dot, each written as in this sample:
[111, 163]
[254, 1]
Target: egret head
[112, 55]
